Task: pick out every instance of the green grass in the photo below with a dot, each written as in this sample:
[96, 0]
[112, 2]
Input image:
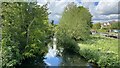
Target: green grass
[100, 50]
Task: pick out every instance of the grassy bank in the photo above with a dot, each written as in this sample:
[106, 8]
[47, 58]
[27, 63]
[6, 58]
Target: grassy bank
[101, 50]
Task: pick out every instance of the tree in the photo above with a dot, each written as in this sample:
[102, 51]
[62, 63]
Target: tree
[75, 22]
[74, 25]
[96, 26]
[115, 25]
[25, 30]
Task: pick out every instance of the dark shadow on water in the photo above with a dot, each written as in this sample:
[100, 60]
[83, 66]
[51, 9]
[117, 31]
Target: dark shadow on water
[71, 60]
[31, 63]
[67, 60]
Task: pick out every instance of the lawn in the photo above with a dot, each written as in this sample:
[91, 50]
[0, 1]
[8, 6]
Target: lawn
[101, 50]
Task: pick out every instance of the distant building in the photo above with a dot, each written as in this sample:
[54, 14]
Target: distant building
[105, 24]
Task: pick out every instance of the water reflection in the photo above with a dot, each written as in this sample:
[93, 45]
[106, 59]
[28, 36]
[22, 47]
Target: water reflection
[73, 60]
[69, 61]
[51, 58]
[66, 59]
[53, 61]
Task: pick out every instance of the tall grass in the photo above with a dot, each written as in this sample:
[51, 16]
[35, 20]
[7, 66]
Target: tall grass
[101, 50]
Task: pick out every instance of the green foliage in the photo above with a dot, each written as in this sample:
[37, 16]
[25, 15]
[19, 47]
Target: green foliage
[10, 51]
[69, 45]
[96, 26]
[99, 50]
[75, 22]
[102, 30]
[25, 31]
[115, 25]
[74, 25]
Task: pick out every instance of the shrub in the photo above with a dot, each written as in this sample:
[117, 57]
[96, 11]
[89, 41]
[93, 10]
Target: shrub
[68, 44]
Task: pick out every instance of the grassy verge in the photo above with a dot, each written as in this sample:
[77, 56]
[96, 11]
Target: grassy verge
[101, 50]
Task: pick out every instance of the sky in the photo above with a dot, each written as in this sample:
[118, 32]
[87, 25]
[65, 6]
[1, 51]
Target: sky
[101, 10]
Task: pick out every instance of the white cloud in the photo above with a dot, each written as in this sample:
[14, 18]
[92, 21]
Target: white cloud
[56, 7]
[42, 2]
[105, 17]
[106, 10]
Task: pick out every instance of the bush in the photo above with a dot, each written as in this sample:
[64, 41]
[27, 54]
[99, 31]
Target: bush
[68, 44]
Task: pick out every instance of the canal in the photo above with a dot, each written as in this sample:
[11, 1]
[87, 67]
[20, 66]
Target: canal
[57, 59]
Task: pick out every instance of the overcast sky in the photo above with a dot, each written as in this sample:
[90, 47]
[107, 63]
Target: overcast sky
[102, 10]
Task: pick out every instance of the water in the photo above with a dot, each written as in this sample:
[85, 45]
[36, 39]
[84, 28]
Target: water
[51, 58]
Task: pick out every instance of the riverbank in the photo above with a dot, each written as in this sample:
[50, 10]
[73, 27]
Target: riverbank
[101, 50]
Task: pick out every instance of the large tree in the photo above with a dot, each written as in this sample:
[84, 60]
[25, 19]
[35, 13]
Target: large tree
[74, 25]
[75, 22]
[25, 29]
